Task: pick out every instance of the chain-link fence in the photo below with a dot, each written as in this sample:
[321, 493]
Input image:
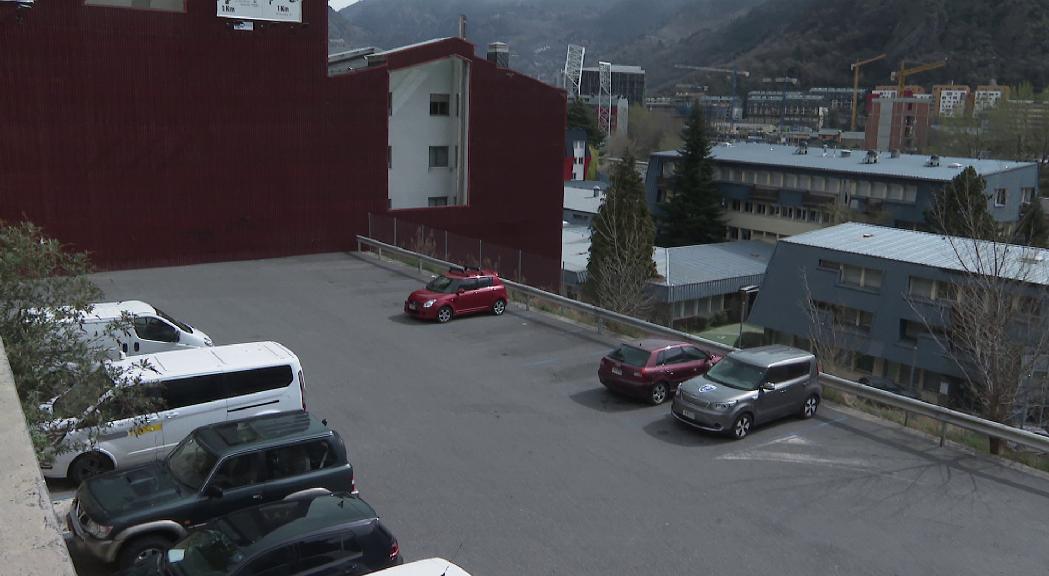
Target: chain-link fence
[512, 263]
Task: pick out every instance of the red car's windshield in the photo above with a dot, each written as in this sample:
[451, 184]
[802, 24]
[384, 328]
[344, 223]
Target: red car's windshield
[444, 284]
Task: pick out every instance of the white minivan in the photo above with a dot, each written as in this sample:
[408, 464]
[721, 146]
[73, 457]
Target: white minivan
[192, 388]
[152, 330]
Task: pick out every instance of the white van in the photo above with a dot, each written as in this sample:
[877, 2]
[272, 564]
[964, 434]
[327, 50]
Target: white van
[153, 330]
[428, 567]
[194, 387]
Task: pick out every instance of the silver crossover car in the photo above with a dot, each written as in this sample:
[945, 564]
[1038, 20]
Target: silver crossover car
[749, 387]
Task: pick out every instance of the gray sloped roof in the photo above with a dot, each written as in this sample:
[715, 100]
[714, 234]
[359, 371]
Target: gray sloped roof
[1023, 263]
[911, 166]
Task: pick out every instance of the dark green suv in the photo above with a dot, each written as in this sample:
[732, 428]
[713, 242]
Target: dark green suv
[129, 516]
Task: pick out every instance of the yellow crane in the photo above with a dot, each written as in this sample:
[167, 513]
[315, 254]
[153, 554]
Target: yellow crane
[856, 85]
[901, 75]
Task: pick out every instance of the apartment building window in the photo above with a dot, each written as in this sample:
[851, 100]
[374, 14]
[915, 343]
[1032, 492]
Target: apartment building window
[790, 181]
[159, 5]
[737, 206]
[910, 193]
[863, 363]
[911, 330]
[847, 317]
[1001, 196]
[761, 208]
[855, 276]
[1027, 195]
[438, 156]
[434, 201]
[864, 188]
[819, 183]
[439, 104]
[812, 215]
[804, 182]
[748, 207]
[879, 190]
[895, 192]
[777, 179]
[744, 234]
[927, 289]
[717, 173]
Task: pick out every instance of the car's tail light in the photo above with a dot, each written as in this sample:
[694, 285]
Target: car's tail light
[302, 390]
[395, 550]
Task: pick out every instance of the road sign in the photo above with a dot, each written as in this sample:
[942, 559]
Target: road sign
[273, 10]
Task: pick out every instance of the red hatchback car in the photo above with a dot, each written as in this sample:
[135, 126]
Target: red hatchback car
[457, 292]
[652, 369]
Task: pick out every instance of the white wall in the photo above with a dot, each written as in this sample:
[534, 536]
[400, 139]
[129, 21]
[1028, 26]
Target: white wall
[412, 131]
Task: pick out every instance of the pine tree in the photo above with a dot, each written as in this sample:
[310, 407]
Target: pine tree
[1033, 228]
[693, 213]
[960, 209]
[621, 244]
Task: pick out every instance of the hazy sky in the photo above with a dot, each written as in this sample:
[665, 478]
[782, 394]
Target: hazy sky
[340, 4]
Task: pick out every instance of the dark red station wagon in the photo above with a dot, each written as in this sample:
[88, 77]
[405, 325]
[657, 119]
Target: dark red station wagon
[652, 369]
[457, 292]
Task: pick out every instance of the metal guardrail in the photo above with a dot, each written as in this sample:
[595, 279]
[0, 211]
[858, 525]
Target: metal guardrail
[908, 405]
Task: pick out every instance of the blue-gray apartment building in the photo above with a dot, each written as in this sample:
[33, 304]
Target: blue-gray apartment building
[886, 288]
[774, 191]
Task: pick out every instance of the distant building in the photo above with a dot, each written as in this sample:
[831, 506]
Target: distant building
[619, 114]
[791, 108]
[950, 100]
[577, 154]
[884, 289]
[898, 124]
[627, 82]
[583, 199]
[773, 191]
[839, 99]
[988, 97]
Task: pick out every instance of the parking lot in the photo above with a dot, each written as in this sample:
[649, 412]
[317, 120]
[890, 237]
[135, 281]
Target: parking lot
[489, 441]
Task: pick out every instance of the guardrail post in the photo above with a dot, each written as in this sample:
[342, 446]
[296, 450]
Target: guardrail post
[420, 261]
[943, 432]
[906, 418]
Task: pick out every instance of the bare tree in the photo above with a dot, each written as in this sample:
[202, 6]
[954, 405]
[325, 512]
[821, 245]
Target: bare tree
[991, 322]
[831, 334]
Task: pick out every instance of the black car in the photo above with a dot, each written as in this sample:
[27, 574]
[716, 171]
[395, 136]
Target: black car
[129, 516]
[334, 534]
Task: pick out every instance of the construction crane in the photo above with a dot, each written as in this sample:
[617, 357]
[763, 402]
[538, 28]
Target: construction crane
[855, 67]
[733, 71]
[901, 75]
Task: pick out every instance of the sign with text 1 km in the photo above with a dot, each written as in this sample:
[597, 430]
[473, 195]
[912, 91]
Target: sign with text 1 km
[274, 10]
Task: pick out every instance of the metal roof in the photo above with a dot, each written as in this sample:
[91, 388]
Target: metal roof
[1023, 263]
[583, 200]
[910, 166]
[710, 262]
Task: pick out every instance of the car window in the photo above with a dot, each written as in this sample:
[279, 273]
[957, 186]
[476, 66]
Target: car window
[239, 471]
[150, 328]
[298, 459]
[693, 354]
[787, 372]
[258, 380]
[279, 562]
[630, 355]
[469, 284]
[485, 282]
[672, 356]
[180, 392]
[326, 550]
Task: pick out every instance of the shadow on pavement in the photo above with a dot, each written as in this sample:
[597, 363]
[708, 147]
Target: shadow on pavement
[602, 400]
[669, 430]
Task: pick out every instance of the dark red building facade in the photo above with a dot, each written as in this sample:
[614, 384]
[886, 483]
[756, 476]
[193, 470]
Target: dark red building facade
[156, 138]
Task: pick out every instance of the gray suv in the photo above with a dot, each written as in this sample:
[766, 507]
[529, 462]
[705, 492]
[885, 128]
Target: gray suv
[750, 387]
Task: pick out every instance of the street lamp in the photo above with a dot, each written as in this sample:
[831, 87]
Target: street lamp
[744, 300]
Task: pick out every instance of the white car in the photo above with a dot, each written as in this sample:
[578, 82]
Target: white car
[428, 567]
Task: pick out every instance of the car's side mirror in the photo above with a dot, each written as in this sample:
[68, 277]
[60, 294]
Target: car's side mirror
[213, 491]
[768, 387]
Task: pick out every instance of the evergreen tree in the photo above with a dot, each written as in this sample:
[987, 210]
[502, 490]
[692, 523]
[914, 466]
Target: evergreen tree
[960, 209]
[621, 243]
[1033, 228]
[693, 213]
[582, 116]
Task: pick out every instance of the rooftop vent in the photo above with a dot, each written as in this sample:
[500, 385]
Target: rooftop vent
[868, 235]
[499, 54]
[845, 153]
[871, 158]
[894, 154]
[934, 161]
[803, 148]
[955, 165]
[597, 191]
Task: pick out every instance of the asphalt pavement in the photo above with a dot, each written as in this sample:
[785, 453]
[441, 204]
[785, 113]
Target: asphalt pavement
[489, 441]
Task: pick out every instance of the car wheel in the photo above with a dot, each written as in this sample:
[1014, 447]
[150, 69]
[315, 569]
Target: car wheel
[658, 394]
[499, 307]
[742, 426]
[808, 409]
[143, 550]
[444, 314]
[88, 465]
